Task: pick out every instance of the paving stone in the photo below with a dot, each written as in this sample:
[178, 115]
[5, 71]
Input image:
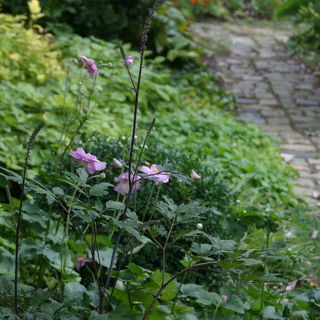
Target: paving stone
[269, 102]
[272, 112]
[300, 167]
[305, 183]
[300, 161]
[275, 120]
[310, 175]
[252, 117]
[294, 135]
[303, 191]
[314, 161]
[301, 140]
[306, 102]
[287, 158]
[298, 147]
[302, 155]
[246, 101]
[277, 128]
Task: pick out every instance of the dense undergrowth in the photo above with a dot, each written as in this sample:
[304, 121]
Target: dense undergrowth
[229, 223]
[305, 42]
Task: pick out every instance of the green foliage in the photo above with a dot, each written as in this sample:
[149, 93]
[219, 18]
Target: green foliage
[226, 9]
[109, 19]
[26, 55]
[306, 13]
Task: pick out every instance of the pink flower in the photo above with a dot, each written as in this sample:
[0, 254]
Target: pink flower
[81, 262]
[224, 298]
[123, 186]
[89, 65]
[129, 61]
[90, 162]
[154, 174]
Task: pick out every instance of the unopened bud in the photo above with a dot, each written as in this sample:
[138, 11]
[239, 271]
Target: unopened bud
[238, 201]
[102, 175]
[85, 110]
[116, 163]
[75, 60]
[194, 175]
[224, 298]
[199, 226]
[129, 61]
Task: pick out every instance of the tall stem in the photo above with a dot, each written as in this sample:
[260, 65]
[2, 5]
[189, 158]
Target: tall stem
[265, 270]
[164, 248]
[144, 39]
[18, 224]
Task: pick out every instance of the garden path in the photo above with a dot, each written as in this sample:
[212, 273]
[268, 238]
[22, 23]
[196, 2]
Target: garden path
[276, 92]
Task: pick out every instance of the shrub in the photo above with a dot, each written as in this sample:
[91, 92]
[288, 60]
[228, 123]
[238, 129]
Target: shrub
[26, 55]
[306, 13]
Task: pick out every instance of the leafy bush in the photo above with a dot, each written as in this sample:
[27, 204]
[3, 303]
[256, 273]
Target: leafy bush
[118, 21]
[306, 13]
[225, 9]
[109, 19]
[51, 257]
[26, 55]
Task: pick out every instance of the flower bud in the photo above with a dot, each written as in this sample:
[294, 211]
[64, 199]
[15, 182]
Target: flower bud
[224, 298]
[116, 163]
[85, 110]
[194, 175]
[199, 226]
[102, 175]
[129, 61]
[75, 61]
[238, 201]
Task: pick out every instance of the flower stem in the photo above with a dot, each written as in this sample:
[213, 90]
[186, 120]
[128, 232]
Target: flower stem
[18, 223]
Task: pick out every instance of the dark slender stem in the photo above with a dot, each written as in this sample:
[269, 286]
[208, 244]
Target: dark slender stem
[123, 55]
[157, 296]
[73, 137]
[131, 178]
[119, 269]
[152, 123]
[25, 168]
[164, 251]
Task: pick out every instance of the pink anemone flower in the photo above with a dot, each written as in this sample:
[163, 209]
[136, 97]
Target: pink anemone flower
[123, 186]
[81, 262]
[154, 174]
[89, 65]
[90, 162]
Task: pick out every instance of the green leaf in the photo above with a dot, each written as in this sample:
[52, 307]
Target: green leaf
[103, 256]
[93, 295]
[208, 298]
[115, 205]
[83, 175]
[270, 312]
[235, 304]
[58, 191]
[73, 293]
[100, 189]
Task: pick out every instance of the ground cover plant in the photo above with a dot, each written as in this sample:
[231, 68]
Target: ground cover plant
[141, 226]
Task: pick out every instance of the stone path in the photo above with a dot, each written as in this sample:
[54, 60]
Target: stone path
[274, 91]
